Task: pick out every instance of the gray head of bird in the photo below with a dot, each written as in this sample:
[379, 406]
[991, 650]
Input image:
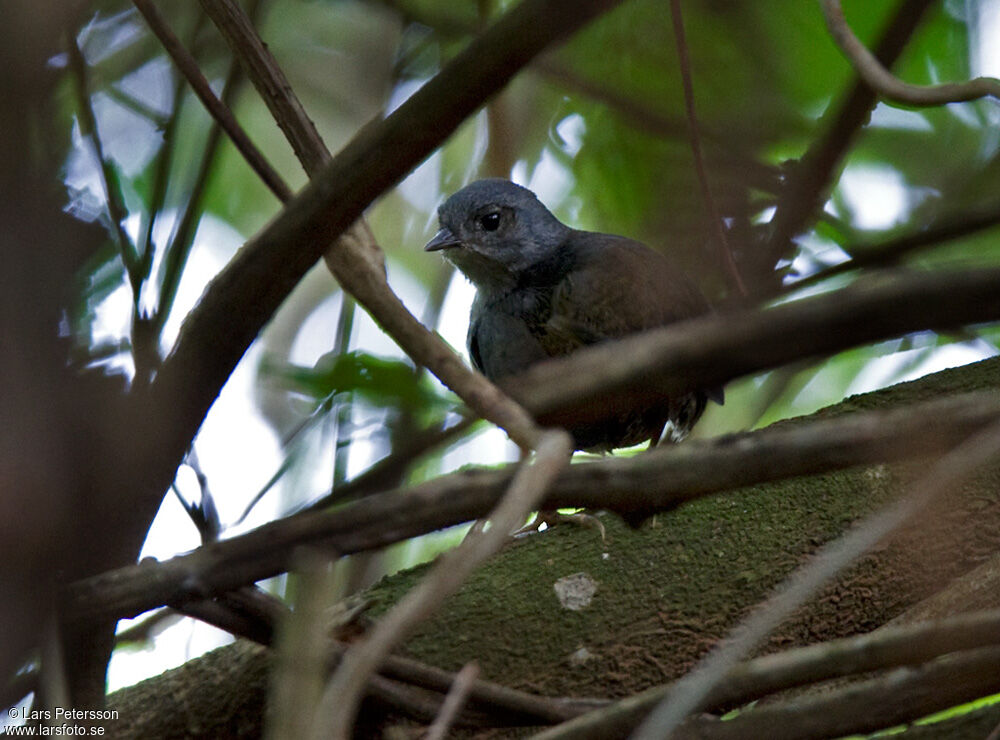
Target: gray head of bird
[494, 230]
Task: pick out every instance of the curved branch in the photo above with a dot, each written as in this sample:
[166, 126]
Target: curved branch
[886, 84]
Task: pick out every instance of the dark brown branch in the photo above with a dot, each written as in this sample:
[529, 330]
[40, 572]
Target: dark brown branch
[901, 696]
[263, 70]
[712, 351]
[654, 481]
[218, 110]
[888, 647]
[811, 177]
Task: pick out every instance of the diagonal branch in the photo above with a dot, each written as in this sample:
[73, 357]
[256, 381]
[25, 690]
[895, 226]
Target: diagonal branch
[219, 111]
[715, 220]
[712, 351]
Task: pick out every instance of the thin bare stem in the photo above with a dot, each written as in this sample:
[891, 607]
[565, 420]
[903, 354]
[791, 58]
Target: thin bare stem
[694, 135]
[109, 178]
[453, 702]
[336, 712]
[886, 84]
[218, 110]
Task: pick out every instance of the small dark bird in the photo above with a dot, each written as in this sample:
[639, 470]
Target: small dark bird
[544, 290]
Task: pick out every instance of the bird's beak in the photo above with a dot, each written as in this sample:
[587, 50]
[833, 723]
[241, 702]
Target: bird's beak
[444, 239]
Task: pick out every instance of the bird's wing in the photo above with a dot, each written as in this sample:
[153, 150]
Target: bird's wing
[617, 287]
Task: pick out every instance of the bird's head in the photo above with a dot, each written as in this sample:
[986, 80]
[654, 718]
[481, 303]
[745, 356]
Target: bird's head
[493, 230]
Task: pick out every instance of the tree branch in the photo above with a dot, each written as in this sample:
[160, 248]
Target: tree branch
[657, 480]
[711, 351]
[901, 696]
[888, 647]
[218, 110]
[886, 84]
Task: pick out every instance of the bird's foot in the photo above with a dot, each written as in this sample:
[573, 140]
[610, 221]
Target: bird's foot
[552, 518]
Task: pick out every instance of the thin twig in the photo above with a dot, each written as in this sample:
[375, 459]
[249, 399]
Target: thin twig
[890, 252]
[715, 221]
[453, 702]
[886, 84]
[218, 110]
[265, 73]
[147, 627]
[335, 715]
[109, 178]
[812, 174]
[947, 475]
[182, 240]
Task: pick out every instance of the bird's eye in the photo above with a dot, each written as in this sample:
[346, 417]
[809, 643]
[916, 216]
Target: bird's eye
[490, 221]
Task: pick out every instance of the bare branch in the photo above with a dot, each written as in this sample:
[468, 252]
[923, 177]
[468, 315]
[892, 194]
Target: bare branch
[715, 220]
[947, 475]
[944, 229]
[902, 695]
[453, 702]
[262, 68]
[886, 84]
[711, 351]
[335, 715]
[218, 110]
[811, 176]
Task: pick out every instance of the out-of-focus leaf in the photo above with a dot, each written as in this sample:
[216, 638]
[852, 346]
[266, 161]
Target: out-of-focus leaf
[380, 382]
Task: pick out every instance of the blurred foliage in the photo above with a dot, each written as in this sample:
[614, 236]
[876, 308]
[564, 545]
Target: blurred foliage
[392, 384]
[596, 127]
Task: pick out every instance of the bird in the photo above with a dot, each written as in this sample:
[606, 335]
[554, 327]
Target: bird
[544, 290]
